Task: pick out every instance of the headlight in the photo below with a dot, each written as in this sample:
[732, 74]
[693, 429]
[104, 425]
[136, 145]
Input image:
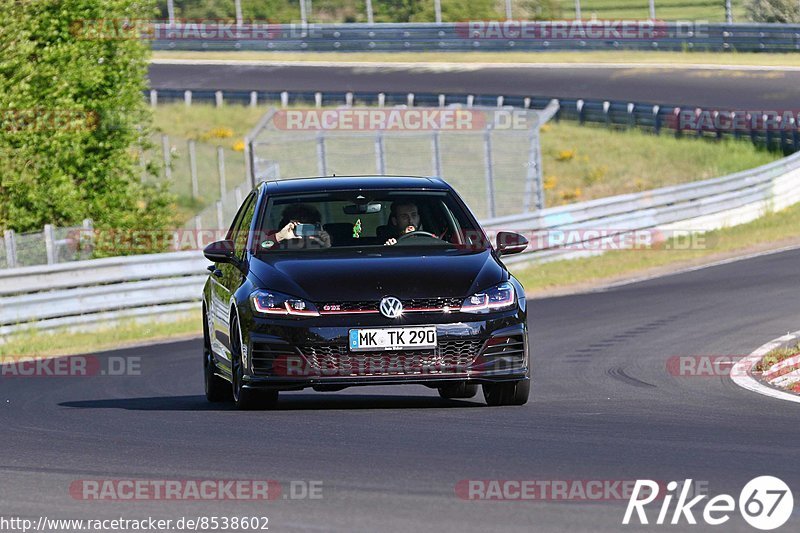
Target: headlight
[275, 303]
[498, 298]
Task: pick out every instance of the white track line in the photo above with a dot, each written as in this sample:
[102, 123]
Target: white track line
[741, 376]
[444, 66]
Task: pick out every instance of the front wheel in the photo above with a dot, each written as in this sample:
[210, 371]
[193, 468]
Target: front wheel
[512, 393]
[461, 390]
[217, 389]
[244, 398]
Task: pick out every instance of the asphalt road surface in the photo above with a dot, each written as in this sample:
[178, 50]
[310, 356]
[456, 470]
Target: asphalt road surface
[603, 407]
[736, 90]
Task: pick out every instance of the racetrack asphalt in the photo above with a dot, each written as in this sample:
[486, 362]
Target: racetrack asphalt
[603, 407]
[768, 90]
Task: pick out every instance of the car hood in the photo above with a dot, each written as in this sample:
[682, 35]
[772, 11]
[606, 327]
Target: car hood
[351, 275]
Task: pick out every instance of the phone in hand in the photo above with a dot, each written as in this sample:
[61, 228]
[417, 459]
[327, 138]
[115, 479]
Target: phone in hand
[307, 230]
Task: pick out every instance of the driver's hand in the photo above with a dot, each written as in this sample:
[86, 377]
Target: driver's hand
[390, 242]
[287, 232]
[409, 229]
[323, 239]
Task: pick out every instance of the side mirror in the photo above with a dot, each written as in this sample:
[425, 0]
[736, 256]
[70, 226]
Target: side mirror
[220, 252]
[509, 243]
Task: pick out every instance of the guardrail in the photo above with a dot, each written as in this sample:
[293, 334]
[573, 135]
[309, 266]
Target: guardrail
[481, 35]
[655, 118]
[90, 293]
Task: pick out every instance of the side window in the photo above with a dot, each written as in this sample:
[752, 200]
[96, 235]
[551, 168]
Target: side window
[238, 219]
[242, 230]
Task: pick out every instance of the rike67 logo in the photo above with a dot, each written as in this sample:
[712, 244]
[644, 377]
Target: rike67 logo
[766, 503]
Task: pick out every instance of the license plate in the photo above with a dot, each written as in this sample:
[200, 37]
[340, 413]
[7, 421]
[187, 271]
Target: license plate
[407, 338]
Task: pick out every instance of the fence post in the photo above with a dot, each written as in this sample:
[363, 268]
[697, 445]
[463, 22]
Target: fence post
[652, 9]
[381, 99]
[500, 101]
[437, 8]
[532, 171]
[143, 165]
[50, 244]
[370, 16]
[220, 216]
[167, 156]
[223, 186]
[437, 155]
[348, 99]
[187, 98]
[508, 10]
[284, 99]
[11, 248]
[253, 98]
[239, 18]
[577, 9]
[237, 194]
[606, 108]
[410, 100]
[487, 149]
[88, 230]
[380, 160]
[303, 15]
[441, 100]
[322, 163]
[579, 106]
[470, 100]
[728, 12]
[153, 98]
[657, 119]
[193, 169]
[218, 98]
[318, 100]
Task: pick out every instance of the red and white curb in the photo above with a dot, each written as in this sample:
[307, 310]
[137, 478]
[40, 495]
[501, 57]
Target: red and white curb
[740, 373]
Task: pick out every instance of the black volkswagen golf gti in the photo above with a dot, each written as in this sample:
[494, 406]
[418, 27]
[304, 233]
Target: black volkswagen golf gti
[336, 282]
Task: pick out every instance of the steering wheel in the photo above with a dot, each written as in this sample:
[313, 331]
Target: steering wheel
[416, 234]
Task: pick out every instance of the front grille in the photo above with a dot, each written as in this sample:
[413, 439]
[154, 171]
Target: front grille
[337, 360]
[372, 306]
[264, 355]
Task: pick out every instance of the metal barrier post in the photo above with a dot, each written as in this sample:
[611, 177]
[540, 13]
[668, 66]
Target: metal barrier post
[167, 157]
[322, 163]
[487, 150]
[50, 244]
[11, 248]
[380, 159]
[193, 169]
[437, 155]
[223, 186]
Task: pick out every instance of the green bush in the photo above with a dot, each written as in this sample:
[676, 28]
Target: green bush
[73, 118]
[787, 11]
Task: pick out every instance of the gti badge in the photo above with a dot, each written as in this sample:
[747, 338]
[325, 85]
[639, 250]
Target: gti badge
[391, 307]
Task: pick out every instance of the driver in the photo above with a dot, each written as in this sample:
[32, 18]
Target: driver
[404, 218]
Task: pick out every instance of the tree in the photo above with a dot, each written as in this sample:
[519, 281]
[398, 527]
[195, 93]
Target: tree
[74, 117]
[786, 11]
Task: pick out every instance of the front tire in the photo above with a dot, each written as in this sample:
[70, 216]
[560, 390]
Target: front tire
[461, 390]
[512, 393]
[216, 388]
[244, 398]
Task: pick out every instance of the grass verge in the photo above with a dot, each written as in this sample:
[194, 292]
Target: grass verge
[772, 231]
[128, 333]
[594, 57]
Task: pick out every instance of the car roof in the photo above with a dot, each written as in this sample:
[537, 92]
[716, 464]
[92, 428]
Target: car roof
[349, 183]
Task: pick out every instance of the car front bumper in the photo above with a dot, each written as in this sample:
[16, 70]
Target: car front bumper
[296, 354]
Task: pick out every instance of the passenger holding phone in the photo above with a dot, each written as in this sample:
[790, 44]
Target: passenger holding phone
[295, 222]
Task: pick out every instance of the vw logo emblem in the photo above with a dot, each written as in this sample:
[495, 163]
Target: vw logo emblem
[391, 307]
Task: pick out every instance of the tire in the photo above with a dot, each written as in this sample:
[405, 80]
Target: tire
[217, 389]
[243, 398]
[460, 390]
[512, 393]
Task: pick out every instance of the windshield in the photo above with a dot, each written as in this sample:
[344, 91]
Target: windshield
[366, 219]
